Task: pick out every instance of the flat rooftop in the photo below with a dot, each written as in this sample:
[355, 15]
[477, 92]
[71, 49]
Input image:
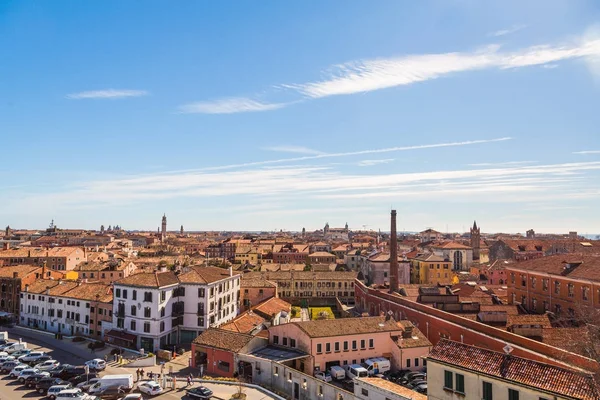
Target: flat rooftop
[274, 353]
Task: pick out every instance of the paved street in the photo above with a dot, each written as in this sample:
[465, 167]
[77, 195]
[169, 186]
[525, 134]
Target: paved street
[70, 353]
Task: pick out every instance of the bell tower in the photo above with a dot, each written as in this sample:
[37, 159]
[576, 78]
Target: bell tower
[475, 240]
[163, 231]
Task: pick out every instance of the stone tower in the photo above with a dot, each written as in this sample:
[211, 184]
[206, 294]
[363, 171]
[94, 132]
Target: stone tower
[393, 254]
[163, 232]
[181, 230]
[475, 240]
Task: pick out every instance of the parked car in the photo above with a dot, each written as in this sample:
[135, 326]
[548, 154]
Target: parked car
[323, 375]
[200, 392]
[416, 382]
[26, 373]
[69, 372]
[111, 392]
[421, 389]
[8, 366]
[46, 383]
[53, 391]
[47, 365]
[76, 380]
[14, 373]
[31, 357]
[7, 358]
[85, 385]
[150, 387]
[6, 344]
[97, 364]
[32, 380]
[133, 396]
[73, 394]
[21, 352]
[412, 375]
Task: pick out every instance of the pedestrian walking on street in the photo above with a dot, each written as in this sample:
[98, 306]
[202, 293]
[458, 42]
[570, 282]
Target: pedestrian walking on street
[137, 375]
[142, 373]
[189, 381]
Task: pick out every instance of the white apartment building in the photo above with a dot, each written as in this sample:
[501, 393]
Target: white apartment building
[157, 310]
[67, 307]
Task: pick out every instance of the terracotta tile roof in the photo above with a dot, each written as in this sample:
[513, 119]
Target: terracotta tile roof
[21, 270]
[150, 279]
[303, 275]
[272, 306]
[451, 245]
[348, 326]
[507, 308]
[202, 275]
[529, 319]
[575, 340]
[585, 266]
[222, 339]
[394, 388]
[321, 254]
[417, 339]
[255, 282]
[531, 373]
[55, 288]
[527, 244]
[89, 291]
[244, 323]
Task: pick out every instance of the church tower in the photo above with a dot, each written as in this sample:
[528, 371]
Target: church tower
[163, 232]
[475, 240]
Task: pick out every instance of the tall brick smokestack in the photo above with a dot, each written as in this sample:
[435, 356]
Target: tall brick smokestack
[393, 255]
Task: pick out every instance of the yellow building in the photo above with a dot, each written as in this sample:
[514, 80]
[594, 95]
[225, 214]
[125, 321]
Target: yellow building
[430, 269]
[248, 256]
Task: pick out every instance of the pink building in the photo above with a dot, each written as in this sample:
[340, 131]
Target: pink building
[352, 341]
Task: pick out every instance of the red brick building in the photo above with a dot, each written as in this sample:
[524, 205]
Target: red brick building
[255, 290]
[562, 284]
[437, 324]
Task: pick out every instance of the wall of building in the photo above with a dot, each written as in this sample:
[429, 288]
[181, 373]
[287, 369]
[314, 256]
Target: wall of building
[251, 296]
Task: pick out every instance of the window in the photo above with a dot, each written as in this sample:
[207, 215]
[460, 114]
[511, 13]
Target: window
[284, 341]
[147, 312]
[365, 392]
[275, 339]
[416, 362]
[201, 321]
[533, 282]
[408, 363]
[162, 326]
[132, 325]
[118, 293]
[147, 327]
[320, 392]
[328, 347]
[460, 383]
[545, 285]
[276, 371]
[134, 295]
[162, 312]
[512, 278]
[201, 292]
[513, 394]
[556, 287]
[319, 348]
[371, 343]
[292, 342]
[523, 280]
[124, 293]
[571, 289]
[487, 391]
[448, 381]
[336, 347]
[345, 346]
[133, 311]
[363, 344]
[148, 296]
[585, 293]
[120, 323]
[354, 346]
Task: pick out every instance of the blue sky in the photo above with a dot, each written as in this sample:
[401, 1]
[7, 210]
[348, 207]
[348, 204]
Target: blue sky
[282, 115]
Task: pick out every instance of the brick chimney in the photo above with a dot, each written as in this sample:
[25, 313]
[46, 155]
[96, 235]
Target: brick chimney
[393, 255]
[6, 245]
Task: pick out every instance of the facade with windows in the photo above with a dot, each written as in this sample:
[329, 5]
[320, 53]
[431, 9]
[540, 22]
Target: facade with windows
[159, 310]
[460, 371]
[352, 341]
[67, 307]
[562, 284]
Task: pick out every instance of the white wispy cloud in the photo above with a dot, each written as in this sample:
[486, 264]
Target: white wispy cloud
[107, 94]
[370, 163]
[499, 164]
[229, 106]
[293, 149]
[368, 75]
[587, 152]
[511, 30]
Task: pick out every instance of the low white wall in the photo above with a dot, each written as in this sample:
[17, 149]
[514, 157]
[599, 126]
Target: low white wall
[142, 362]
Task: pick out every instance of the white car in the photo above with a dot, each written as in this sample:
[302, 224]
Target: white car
[151, 387]
[85, 385]
[324, 376]
[33, 356]
[6, 358]
[47, 365]
[97, 364]
[53, 391]
[73, 394]
[132, 396]
[17, 370]
[27, 372]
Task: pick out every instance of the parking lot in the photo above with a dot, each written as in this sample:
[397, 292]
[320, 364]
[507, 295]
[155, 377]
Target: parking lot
[12, 389]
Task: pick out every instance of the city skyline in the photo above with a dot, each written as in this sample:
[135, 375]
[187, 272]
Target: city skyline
[277, 116]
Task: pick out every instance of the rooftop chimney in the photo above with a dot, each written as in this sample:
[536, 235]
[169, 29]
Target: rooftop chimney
[15, 275]
[6, 245]
[393, 255]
